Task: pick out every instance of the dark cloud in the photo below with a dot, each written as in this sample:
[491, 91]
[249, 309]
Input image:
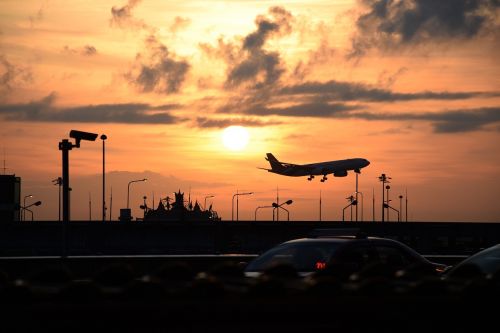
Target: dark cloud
[179, 24]
[448, 121]
[254, 64]
[316, 110]
[12, 75]
[159, 70]
[351, 91]
[129, 113]
[87, 50]
[204, 122]
[389, 23]
[122, 16]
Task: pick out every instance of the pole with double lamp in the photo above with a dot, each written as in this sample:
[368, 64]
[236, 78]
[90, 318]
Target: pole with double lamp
[26, 208]
[24, 204]
[280, 206]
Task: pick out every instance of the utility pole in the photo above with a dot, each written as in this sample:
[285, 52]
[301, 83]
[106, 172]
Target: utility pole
[320, 205]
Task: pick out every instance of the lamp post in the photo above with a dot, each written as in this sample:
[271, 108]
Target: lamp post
[384, 179]
[128, 189]
[352, 202]
[237, 204]
[387, 187]
[58, 182]
[24, 204]
[103, 138]
[205, 202]
[38, 203]
[400, 207]
[259, 207]
[276, 206]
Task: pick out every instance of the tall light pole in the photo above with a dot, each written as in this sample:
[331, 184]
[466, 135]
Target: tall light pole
[103, 138]
[128, 189]
[24, 204]
[388, 187]
[237, 195]
[58, 182]
[384, 179]
[400, 208]
[205, 203]
[280, 206]
[356, 196]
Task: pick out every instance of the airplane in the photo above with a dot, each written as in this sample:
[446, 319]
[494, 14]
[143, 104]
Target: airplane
[338, 168]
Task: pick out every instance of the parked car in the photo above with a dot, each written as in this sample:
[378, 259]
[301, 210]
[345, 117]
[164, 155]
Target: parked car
[309, 255]
[483, 263]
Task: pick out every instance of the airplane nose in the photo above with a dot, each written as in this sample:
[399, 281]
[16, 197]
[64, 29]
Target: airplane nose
[367, 163]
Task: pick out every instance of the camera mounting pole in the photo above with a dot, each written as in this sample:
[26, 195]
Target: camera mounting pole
[65, 146]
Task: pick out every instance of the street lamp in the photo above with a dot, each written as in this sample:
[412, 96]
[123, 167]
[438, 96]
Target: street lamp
[276, 206]
[103, 138]
[352, 202]
[384, 179]
[400, 207]
[205, 203]
[387, 187]
[390, 207]
[237, 204]
[259, 207]
[58, 182]
[38, 203]
[128, 189]
[24, 204]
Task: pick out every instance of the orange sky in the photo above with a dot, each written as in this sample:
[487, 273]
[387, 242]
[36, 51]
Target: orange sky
[413, 87]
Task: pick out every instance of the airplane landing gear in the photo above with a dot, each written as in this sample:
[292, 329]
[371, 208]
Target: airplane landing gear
[310, 178]
[323, 179]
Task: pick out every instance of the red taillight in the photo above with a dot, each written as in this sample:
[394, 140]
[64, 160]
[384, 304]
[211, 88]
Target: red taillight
[320, 265]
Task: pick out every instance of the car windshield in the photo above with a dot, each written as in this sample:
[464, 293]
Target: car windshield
[303, 256]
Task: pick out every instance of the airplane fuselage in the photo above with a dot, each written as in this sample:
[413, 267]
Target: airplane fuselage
[338, 168]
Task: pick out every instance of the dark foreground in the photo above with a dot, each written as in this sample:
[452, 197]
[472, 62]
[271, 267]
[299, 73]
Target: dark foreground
[176, 298]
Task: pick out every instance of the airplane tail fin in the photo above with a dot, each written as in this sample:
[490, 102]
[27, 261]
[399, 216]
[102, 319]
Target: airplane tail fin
[275, 164]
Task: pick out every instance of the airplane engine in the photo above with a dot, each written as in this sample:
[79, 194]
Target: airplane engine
[342, 173]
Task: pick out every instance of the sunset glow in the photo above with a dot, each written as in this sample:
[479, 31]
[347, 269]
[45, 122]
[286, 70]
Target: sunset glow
[193, 94]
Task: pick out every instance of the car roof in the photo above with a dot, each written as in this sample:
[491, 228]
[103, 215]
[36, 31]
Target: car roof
[336, 239]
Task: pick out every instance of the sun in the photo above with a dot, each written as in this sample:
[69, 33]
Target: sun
[235, 138]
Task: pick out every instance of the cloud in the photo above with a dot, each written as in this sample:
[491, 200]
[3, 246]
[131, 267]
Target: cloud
[127, 113]
[179, 24]
[122, 16]
[12, 75]
[159, 71]
[447, 121]
[38, 17]
[389, 23]
[255, 65]
[353, 91]
[316, 110]
[87, 50]
[204, 122]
